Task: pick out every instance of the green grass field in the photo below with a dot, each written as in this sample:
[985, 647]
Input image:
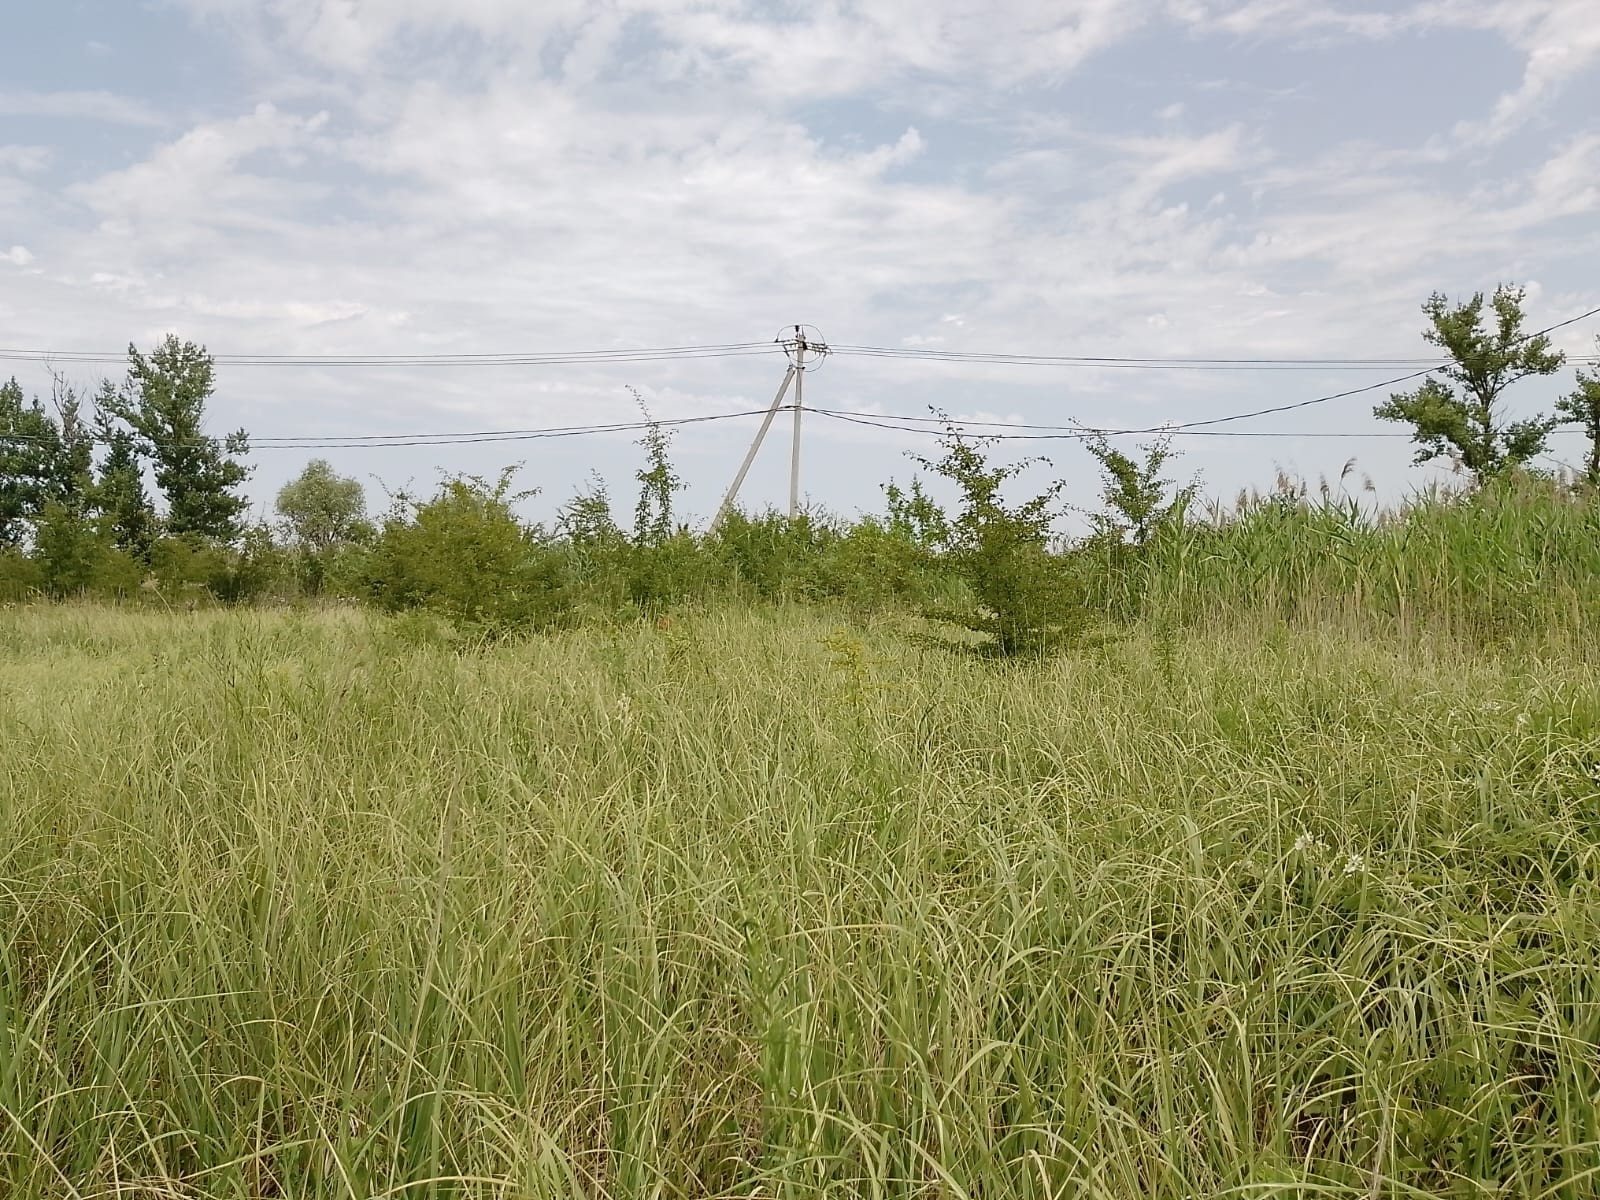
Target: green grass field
[766, 904]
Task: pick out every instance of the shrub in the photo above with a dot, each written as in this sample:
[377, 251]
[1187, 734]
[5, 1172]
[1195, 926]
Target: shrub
[74, 557]
[1026, 599]
[20, 577]
[464, 555]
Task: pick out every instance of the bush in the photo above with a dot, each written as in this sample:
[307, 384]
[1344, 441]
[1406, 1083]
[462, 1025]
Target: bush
[1026, 600]
[20, 577]
[464, 555]
[191, 569]
[73, 557]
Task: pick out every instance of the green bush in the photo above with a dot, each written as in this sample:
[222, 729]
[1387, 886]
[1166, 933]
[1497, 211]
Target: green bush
[1025, 599]
[20, 577]
[74, 557]
[464, 555]
[189, 569]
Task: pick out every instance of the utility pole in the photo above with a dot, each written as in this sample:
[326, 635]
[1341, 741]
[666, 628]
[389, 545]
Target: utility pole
[799, 405]
[798, 342]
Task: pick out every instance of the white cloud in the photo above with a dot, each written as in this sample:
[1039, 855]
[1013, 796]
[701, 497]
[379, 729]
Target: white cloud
[1285, 17]
[17, 256]
[1560, 38]
[24, 160]
[88, 106]
[199, 181]
[642, 172]
[824, 49]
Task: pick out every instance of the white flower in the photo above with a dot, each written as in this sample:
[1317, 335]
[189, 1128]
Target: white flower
[1305, 842]
[1355, 865]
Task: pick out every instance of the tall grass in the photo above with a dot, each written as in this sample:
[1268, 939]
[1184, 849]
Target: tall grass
[764, 904]
[1507, 562]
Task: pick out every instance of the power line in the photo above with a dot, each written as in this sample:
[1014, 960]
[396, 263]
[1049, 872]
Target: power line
[750, 349]
[1139, 364]
[400, 440]
[516, 359]
[1371, 387]
[896, 422]
[1078, 433]
[1129, 363]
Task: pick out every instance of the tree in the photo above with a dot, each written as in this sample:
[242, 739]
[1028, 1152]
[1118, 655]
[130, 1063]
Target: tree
[916, 517]
[43, 457]
[586, 519]
[72, 472]
[163, 402]
[1582, 407]
[1135, 492]
[1027, 604]
[322, 509]
[70, 552]
[652, 517]
[119, 496]
[1488, 353]
[30, 452]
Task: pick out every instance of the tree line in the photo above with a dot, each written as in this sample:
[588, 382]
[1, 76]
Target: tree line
[79, 515]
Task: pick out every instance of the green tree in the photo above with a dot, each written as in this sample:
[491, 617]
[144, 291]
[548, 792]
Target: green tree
[916, 517]
[652, 517]
[1488, 353]
[324, 514]
[1137, 497]
[44, 456]
[164, 403]
[72, 472]
[75, 556]
[29, 445]
[119, 496]
[1027, 603]
[1582, 407]
[586, 519]
[321, 508]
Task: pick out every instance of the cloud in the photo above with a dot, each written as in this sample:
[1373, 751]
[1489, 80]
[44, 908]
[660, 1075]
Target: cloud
[491, 175]
[85, 106]
[24, 160]
[17, 256]
[1286, 17]
[824, 49]
[197, 182]
[1560, 38]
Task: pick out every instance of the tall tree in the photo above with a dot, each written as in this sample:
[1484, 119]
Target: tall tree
[321, 507]
[1582, 407]
[163, 403]
[119, 496]
[72, 472]
[28, 441]
[1488, 353]
[38, 462]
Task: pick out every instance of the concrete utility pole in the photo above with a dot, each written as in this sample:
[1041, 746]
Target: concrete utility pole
[797, 342]
[799, 405]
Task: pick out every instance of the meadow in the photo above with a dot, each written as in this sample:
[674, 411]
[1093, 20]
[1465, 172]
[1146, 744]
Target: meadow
[777, 901]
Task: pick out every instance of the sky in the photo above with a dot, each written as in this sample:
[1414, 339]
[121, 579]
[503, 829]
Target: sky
[1223, 179]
